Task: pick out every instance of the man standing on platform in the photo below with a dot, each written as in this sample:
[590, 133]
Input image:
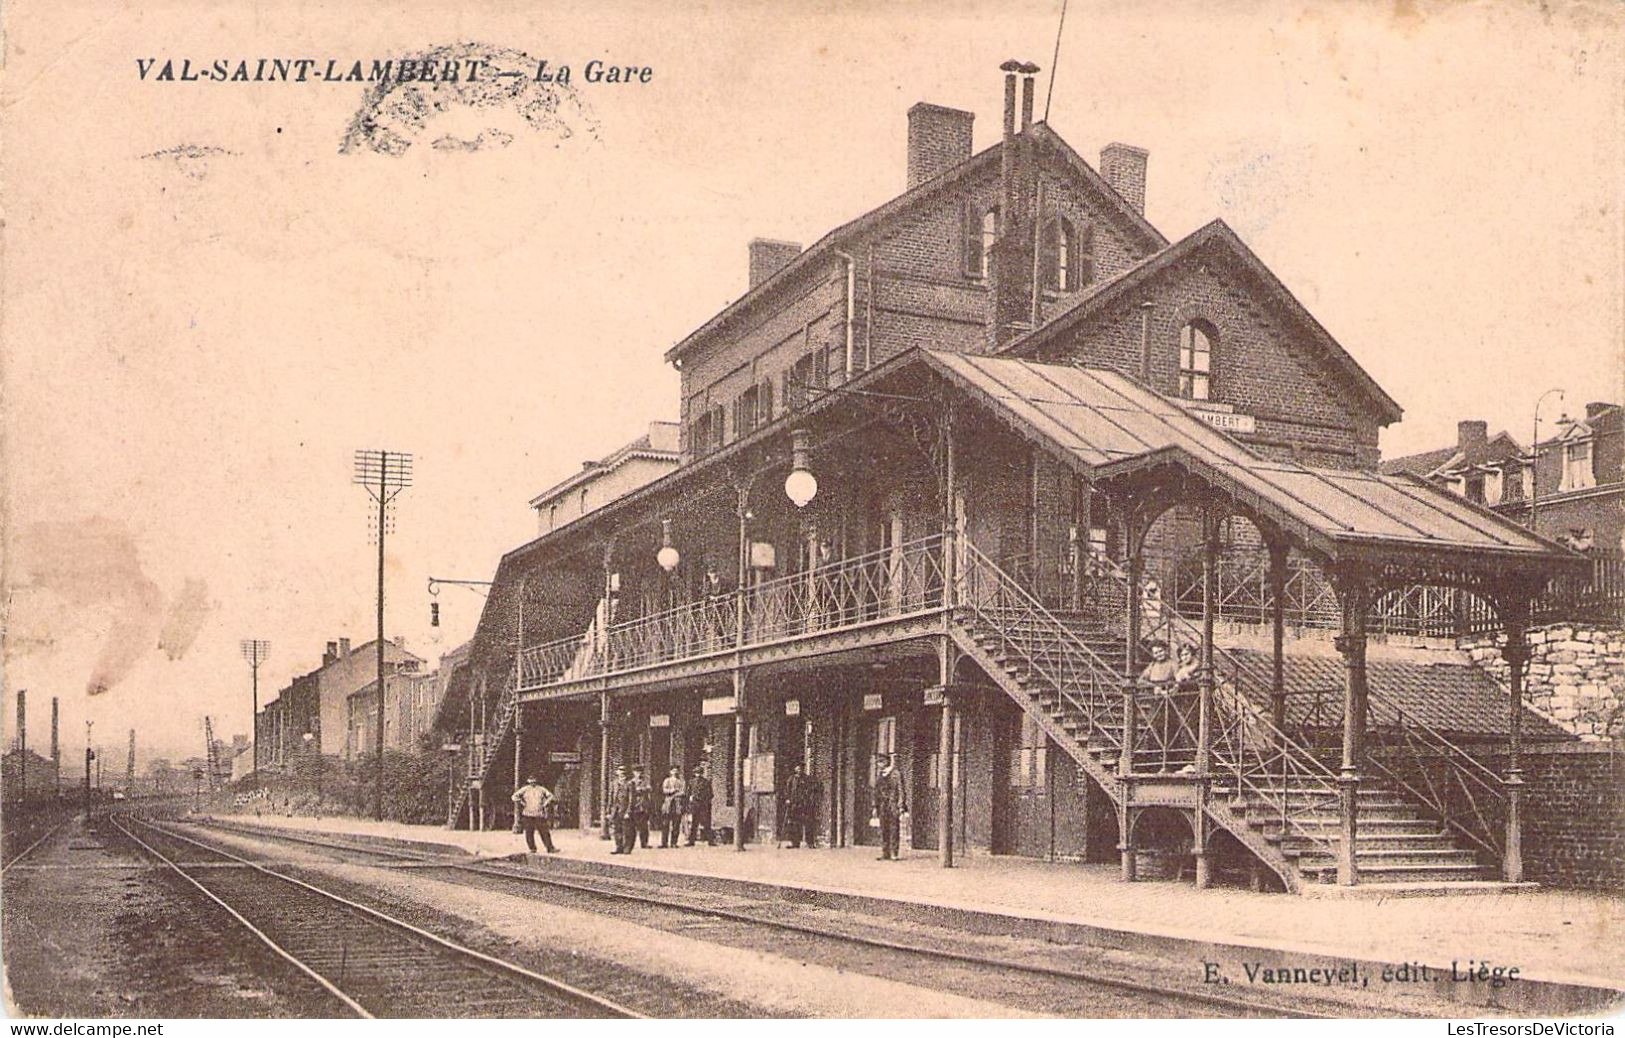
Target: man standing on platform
[532, 801]
[673, 793]
[642, 793]
[620, 810]
[891, 807]
[699, 808]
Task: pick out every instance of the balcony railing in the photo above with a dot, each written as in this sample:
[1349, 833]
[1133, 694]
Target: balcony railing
[899, 581]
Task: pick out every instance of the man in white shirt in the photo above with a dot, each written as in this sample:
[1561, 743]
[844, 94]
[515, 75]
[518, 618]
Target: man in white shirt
[533, 800]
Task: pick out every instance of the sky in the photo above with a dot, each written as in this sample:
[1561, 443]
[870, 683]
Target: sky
[208, 308]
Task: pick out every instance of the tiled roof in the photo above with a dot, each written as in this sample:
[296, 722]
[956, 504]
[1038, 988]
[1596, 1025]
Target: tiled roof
[1423, 464]
[1455, 698]
[1497, 448]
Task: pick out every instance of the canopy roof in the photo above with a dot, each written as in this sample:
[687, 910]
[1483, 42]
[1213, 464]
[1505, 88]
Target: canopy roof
[1115, 427]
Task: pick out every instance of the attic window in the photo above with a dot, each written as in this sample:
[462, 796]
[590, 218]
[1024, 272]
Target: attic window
[981, 231]
[1196, 360]
[1577, 472]
[1066, 259]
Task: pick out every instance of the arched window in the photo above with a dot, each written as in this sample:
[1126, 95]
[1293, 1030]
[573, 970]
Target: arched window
[1196, 360]
[990, 234]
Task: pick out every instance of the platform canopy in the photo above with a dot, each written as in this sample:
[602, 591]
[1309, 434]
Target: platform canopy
[1117, 431]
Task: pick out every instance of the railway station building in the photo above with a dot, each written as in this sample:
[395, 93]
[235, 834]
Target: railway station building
[947, 481]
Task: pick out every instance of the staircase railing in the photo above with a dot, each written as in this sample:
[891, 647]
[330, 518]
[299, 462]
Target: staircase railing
[480, 752]
[1266, 766]
[1456, 787]
[1030, 634]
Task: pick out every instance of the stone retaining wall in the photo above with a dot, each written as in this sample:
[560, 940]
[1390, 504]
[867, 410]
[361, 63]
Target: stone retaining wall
[1576, 675]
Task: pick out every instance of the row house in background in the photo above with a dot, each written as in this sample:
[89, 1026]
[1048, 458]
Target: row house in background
[925, 466]
[412, 701]
[642, 461]
[317, 703]
[1575, 487]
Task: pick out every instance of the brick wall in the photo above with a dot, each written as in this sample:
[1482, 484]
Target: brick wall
[1576, 675]
[911, 289]
[1259, 366]
[1573, 813]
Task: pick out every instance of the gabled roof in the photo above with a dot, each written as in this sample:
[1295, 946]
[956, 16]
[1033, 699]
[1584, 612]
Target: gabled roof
[1498, 448]
[1218, 235]
[984, 161]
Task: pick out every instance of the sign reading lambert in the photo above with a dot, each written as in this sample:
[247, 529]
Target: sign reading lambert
[1229, 421]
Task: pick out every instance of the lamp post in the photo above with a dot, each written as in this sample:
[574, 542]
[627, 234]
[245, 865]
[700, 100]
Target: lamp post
[255, 652]
[1534, 458]
[800, 486]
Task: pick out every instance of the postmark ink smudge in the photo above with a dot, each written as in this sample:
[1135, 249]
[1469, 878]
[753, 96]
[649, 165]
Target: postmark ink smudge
[395, 115]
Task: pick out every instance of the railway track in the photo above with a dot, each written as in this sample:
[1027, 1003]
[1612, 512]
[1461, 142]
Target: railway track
[371, 963]
[1055, 987]
[20, 855]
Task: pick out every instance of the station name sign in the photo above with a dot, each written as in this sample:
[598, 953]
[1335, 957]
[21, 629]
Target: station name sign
[1229, 421]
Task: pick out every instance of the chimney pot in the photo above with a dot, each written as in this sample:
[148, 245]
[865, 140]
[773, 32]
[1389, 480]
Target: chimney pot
[938, 140]
[768, 257]
[1123, 167]
[1471, 434]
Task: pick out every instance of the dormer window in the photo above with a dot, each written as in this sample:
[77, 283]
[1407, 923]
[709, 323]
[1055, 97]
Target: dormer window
[1577, 472]
[1196, 361]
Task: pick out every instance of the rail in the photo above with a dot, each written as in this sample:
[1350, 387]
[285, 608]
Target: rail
[1025, 631]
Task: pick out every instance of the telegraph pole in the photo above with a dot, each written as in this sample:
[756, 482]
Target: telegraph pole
[384, 474]
[255, 652]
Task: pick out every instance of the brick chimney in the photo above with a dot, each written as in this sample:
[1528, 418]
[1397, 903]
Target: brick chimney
[938, 140]
[344, 647]
[1471, 434]
[768, 257]
[332, 653]
[1123, 166]
[1010, 274]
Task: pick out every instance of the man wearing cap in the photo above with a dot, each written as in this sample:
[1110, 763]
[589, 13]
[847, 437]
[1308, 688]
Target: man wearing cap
[642, 792]
[699, 808]
[621, 795]
[532, 801]
[891, 805]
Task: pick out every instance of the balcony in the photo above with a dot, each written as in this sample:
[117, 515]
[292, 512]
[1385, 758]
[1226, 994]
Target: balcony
[891, 594]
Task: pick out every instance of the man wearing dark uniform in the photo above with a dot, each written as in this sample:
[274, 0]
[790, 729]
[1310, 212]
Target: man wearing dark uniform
[641, 794]
[699, 808]
[891, 804]
[620, 810]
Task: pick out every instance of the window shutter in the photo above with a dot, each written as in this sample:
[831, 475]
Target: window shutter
[1049, 255]
[1084, 262]
[970, 239]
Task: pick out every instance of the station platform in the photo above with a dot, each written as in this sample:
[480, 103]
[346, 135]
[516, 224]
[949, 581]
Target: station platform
[1561, 938]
